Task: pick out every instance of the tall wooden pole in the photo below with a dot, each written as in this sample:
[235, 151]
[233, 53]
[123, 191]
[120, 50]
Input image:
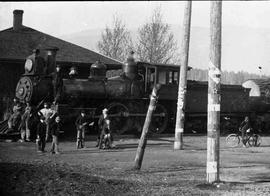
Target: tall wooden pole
[143, 140]
[214, 74]
[180, 116]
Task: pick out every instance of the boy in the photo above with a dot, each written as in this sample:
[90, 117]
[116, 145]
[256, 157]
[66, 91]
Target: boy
[55, 130]
[41, 135]
[104, 125]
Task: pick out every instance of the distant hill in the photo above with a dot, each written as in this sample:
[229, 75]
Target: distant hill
[243, 48]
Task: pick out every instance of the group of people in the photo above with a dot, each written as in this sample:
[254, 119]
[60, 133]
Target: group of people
[23, 118]
[49, 126]
[105, 138]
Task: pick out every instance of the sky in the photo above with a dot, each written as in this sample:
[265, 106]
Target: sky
[64, 18]
[78, 16]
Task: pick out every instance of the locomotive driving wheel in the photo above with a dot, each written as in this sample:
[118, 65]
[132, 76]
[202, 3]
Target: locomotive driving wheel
[118, 113]
[159, 120]
[24, 89]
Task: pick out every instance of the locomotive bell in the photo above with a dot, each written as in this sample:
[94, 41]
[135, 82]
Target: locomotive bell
[130, 68]
[98, 70]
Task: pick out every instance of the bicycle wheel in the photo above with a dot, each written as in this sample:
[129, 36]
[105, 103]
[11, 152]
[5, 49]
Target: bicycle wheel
[255, 140]
[232, 140]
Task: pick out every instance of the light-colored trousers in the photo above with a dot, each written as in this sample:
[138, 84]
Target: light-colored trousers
[54, 143]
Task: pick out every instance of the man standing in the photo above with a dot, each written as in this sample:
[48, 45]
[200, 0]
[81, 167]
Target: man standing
[55, 130]
[15, 118]
[25, 123]
[46, 112]
[41, 135]
[81, 123]
[104, 126]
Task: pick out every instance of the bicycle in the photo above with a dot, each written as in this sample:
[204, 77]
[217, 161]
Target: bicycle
[252, 139]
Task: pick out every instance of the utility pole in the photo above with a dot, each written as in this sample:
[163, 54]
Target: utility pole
[143, 140]
[214, 75]
[182, 89]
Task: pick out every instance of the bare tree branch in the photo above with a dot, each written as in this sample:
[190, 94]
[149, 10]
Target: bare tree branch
[156, 44]
[115, 41]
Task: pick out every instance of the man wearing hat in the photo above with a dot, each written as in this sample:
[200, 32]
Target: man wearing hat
[81, 122]
[46, 112]
[55, 131]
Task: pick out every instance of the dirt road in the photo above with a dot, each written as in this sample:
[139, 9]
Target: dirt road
[90, 171]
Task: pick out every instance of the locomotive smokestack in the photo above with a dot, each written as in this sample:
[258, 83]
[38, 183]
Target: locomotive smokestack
[51, 59]
[17, 19]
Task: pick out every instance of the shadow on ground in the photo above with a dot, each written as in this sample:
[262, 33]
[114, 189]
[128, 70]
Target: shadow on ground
[28, 179]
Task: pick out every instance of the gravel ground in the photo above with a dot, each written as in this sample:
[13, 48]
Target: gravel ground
[90, 171]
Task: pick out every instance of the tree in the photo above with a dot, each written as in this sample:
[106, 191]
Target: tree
[156, 44]
[115, 42]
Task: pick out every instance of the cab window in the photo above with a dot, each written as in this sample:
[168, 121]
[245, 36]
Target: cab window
[150, 78]
[162, 77]
[173, 77]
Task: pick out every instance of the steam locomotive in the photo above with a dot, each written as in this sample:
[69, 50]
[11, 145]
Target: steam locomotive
[126, 95]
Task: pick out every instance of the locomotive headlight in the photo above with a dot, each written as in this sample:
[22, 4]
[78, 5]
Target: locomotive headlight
[28, 65]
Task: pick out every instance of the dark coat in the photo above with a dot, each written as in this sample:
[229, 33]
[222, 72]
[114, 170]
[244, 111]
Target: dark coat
[81, 122]
[55, 128]
[41, 129]
[245, 126]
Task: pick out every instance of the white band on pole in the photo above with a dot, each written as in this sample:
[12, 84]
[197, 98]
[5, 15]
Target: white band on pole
[213, 107]
[179, 130]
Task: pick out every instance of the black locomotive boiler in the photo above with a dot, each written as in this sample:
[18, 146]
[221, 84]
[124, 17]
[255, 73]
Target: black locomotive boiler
[127, 95]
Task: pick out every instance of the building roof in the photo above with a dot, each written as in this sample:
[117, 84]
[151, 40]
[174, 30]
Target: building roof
[17, 45]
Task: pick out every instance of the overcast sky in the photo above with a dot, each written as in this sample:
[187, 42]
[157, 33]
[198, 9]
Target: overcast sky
[64, 18]
[58, 18]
